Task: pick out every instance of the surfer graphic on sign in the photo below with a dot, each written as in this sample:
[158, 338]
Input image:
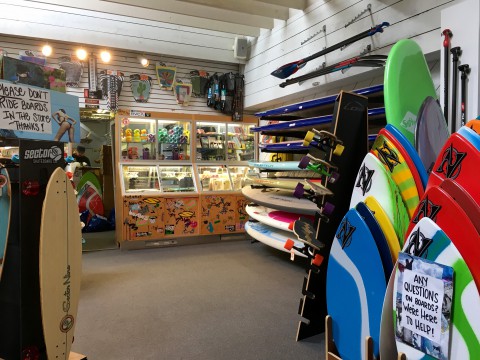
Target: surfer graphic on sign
[65, 123]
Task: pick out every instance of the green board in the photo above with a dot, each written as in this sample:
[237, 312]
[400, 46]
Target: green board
[92, 178]
[407, 83]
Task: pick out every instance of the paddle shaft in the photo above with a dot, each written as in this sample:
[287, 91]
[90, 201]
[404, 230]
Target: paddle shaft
[446, 46]
[456, 52]
[372, 61]
[465, 70]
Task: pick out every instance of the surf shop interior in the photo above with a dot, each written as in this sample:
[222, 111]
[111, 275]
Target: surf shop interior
[320, 155]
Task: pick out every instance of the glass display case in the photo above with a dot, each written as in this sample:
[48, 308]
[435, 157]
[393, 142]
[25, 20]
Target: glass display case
[210, 141]
[137, 139]
[139, 178]
[177, 179]
[240, 142]
[214, 178]
[237, 173]
[174, 140]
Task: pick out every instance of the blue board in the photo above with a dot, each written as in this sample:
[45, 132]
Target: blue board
[328, 100]
[276, 165]
[411, 151]
[308, 123]
[378, 236]
[471, 136]
[294, 146]
[355, 288]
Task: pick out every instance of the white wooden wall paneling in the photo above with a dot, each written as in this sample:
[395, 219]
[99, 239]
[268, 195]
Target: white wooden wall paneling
[409, 19]
[127, 62]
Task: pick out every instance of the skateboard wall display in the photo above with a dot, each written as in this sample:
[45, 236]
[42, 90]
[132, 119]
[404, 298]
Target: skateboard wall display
[272, 237]
[407, 82]
[145, 219]
[60, 263]
[397, 167]
[355, 287]
[5, 206]
[428, 241]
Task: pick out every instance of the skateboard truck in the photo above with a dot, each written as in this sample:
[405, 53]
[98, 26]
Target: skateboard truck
[316, 258]
[324, 139]
[321, 167]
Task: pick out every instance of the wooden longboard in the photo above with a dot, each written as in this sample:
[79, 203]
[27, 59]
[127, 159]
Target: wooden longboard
[5, 199]
[60, 259]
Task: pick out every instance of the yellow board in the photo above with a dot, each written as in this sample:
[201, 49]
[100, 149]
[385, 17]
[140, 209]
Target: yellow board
[60, 259]
[385, 225]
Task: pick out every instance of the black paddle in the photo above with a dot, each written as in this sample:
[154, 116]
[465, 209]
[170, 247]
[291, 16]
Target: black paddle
[446, 46]
[465, 70]
[365, 61]
[286, 70]
[456, 52]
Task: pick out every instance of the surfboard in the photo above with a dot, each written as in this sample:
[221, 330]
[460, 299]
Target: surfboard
[442, 209]
[275, 165]
[274, 218]
[407, 82]
[474, 125]
[431, 132]
[378, 236]
[328, 100]
[285, 183]
[429, 241]
[397, 167]
[5, 200]
[91, 177]
[373, 180]
[272, 237]
[459, 161]
[280, 200]
[417, 162]
[471, 136]
[386, 226]
[60, 263]
[89, 199]
[355, 287]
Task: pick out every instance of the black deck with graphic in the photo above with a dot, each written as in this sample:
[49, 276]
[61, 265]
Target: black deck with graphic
[350, 126]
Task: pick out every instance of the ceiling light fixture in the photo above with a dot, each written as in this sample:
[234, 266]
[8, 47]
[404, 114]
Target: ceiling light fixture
[143, 60]
[105, 56]
[47, 50]
[81, 54]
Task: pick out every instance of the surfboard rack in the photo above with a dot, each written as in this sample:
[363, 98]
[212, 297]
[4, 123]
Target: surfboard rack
[331, 352]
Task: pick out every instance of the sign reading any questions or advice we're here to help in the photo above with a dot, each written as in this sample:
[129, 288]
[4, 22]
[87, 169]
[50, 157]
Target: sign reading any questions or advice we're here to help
[35, 113]
[423, 304]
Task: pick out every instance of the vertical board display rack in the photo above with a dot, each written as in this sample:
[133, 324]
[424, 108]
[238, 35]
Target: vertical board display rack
[178, 178]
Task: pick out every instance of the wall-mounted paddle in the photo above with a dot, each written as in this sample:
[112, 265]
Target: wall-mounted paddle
[286, 70]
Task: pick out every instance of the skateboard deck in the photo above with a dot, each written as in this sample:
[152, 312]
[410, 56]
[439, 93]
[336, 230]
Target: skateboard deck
[395, 164]
[472, 136]
[305, 231]
[60, 257]
[285, 183]
[412, 153]
[271, 217]
[271, 236]
[407, 82]
[5, 201]
[441, 208]
[355, 287]
[429, 241]
[377, 233]
[91, 177]
[279, 199]
[406, 156]
[386, 226]
[275, 165]
[373, 180]
[431, 132]
[458, 161]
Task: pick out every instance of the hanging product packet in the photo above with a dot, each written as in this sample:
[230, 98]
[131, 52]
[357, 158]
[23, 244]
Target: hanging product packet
[141, 85]
[165, 75]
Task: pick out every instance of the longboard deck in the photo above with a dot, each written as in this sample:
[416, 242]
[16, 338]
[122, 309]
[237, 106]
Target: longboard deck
[5, 201]
[60, 259]
[275, 165]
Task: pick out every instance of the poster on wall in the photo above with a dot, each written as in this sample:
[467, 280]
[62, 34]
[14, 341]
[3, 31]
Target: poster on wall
[34, 113]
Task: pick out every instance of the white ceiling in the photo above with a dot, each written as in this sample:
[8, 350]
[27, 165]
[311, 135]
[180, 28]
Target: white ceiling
[239, 17]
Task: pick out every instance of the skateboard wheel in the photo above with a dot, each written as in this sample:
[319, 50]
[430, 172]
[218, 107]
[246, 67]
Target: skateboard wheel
[289, 244]
[334, 177]
[317, 260]
[291, 225]
[304, 162]
[299, 191]
[328, 208]
[339, 149]
[308, 138]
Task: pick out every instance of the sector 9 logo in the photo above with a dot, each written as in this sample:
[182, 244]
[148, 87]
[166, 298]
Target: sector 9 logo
[54, 153]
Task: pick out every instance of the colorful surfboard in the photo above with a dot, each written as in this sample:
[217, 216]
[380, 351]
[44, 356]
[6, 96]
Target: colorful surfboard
[91, 177]
[355, 287]
[272, 237]
[395, 164]
[5, 199]
[472, 136]
[429, 241]
[407, 82]
[60, 262]
[373, 180]
[274, 218]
